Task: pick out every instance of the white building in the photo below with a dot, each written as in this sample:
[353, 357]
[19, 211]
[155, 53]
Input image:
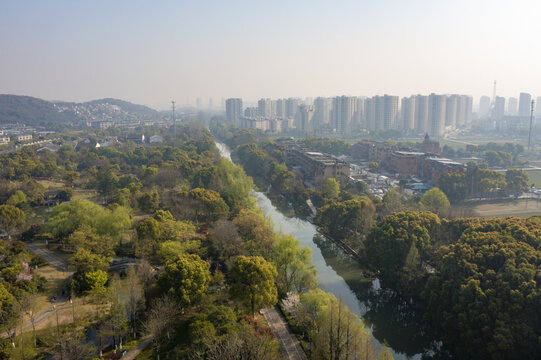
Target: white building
[343, 109]
[436, 115]
[24, 137]
[524, 104]
[407, 112]
[233, 110]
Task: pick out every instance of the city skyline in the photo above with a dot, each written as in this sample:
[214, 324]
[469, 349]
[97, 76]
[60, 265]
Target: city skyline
[151, 53]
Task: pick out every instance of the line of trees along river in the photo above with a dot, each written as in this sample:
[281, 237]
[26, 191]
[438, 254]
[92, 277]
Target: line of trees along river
[390, 319]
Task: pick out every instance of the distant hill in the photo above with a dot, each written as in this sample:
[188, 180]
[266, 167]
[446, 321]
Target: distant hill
[33, 111]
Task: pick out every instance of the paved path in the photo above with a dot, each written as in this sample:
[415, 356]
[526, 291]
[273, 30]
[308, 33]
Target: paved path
[132, 354]
[51, 258]
[289, 344]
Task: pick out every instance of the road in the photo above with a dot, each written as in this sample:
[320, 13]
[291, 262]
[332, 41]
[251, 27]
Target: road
[291, 349]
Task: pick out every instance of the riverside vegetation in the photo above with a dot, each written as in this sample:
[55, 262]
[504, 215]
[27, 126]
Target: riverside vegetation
[207, 260]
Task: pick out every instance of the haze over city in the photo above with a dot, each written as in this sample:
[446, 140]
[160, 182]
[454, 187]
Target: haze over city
[152, 52]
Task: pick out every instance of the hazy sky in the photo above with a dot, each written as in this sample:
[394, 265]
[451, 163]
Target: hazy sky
[150, 52]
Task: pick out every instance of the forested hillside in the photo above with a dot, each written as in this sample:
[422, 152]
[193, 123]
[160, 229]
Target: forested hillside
[33, 111]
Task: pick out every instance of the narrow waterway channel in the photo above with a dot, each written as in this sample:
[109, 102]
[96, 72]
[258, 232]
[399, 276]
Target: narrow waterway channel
[390, 319]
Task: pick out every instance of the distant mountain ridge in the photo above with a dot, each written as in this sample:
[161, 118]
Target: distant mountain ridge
[34, 112]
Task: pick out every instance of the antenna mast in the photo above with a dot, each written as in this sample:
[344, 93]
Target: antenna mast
[530, 132]
[174, 120]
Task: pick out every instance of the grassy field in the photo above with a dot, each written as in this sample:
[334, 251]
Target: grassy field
[535, 178]
[504, 208]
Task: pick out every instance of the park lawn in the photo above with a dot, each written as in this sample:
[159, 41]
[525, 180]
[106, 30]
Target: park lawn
[51, 185]
[55, 280]
[503, 208]
[87, 310]
[84, 194]
[535, 178]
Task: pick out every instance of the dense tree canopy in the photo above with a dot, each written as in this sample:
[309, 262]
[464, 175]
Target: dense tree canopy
[185, 278]
[252, 282]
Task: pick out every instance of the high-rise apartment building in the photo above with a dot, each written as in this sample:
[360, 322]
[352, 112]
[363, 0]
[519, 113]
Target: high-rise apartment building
[322, 112]
[484, 105]
[251, 112]
[281, 108]
[407, 113]
[358, 117]
[342, 113]
[382, 112]
[524, 104]
[291, 107]
[436, 114]
[451, 108]
[264, 108]
[390, 111]
[370, 113]
[512, 106]
[233, 110]
[303, 119]
[421, 113]
[499, 108]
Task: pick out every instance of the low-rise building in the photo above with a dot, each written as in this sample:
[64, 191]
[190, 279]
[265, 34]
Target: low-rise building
[155, 139]
[24, 137]
[315, 166]
[434, 168]
[254, 123]
[4, 139]
[430, 147]
[405, 162]
[136, 138]
[101, 125]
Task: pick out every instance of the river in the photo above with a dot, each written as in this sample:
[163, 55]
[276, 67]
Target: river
[389, 318]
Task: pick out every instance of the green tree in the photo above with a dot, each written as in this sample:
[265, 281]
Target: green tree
[18, 199]
[95, 282]
[70, 178]
[83, 261]
[12, 219]
[148, 233]
[390, 242]
[252, 282]
[331, 188]
[435, 200]
[186, 279]
[169, 250]
[202, 204]
[149, 201]
[373, 167]
[294, 265]
[517, 181]
[255, 231]
[455, 186]
[67, 217]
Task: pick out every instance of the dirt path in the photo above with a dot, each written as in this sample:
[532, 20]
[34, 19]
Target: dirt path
[289, 344]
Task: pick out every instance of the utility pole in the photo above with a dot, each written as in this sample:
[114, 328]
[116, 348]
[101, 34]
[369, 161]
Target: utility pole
[72, 308]
[174, 120]
[530, 132]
